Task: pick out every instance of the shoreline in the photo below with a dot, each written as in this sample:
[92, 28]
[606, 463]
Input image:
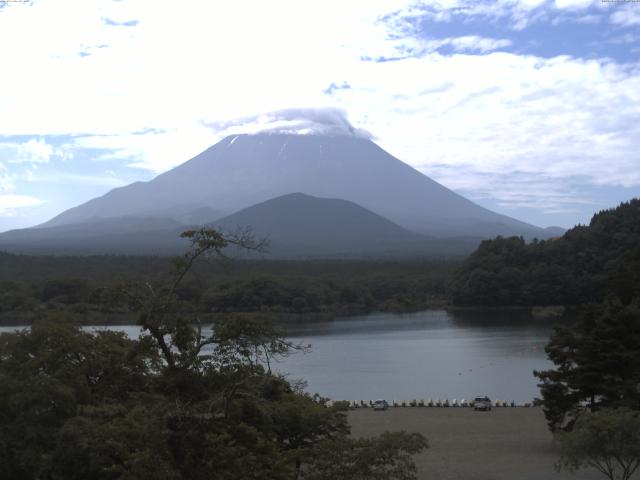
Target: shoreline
[97, 318]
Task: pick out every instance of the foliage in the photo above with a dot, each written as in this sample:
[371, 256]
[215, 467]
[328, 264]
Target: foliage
[586, 264]
[173, 404]
[607, 440]
[48, 374]
[597, 363]
[87, 285]
[388, 456]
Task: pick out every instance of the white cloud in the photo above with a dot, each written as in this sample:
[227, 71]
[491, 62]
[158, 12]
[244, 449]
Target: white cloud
[37, 151]
[6, 181]
[504, 114]
[519, 14]
[474, 43]
[156, 151]
[574, 4]
[224, 59]
[327, 121]
[415, 47]
[31, 151]
[627, 16]
[10, 203]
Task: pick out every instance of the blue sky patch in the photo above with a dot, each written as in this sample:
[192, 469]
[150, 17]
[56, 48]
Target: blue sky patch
[545, 32]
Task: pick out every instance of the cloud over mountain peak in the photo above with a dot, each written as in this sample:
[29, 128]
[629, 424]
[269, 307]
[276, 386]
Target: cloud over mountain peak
[299, 121]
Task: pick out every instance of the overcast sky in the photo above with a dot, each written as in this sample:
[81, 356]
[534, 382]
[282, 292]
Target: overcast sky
[529, 108]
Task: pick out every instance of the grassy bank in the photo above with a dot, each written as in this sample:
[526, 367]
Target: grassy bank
[504, 444]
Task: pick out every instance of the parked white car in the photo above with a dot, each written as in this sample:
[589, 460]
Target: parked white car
[380, 405]
[482, 403]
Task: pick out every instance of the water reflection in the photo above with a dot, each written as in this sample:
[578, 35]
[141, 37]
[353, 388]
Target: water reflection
[433, 354]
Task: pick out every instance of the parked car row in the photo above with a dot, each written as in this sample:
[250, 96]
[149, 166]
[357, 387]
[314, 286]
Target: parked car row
[480, 403]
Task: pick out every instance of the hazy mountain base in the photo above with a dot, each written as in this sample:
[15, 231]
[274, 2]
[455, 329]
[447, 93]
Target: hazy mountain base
[164, 243]
[296, 226]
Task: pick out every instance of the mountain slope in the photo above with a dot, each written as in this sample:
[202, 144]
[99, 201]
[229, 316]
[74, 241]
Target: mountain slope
[300, 216]
[243, 170]
[301, 224]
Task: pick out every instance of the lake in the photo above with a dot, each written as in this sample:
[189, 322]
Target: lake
[432, 354]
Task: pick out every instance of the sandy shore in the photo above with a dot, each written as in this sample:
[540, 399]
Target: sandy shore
[506, 443]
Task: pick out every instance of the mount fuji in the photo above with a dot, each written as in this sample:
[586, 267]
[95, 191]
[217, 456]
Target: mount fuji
[243, 170]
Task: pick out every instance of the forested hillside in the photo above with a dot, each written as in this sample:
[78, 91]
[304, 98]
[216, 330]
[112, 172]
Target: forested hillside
[31, 285]
[584, 265]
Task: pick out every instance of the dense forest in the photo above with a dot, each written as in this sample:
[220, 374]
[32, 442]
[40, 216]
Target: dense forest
[585, 265]
[90, 285]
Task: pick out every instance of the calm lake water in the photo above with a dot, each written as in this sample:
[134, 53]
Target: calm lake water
[432, 354]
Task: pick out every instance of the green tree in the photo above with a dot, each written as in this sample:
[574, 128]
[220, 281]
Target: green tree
[387, 456]
[607, 440]
[48, 374]
[597, 364]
